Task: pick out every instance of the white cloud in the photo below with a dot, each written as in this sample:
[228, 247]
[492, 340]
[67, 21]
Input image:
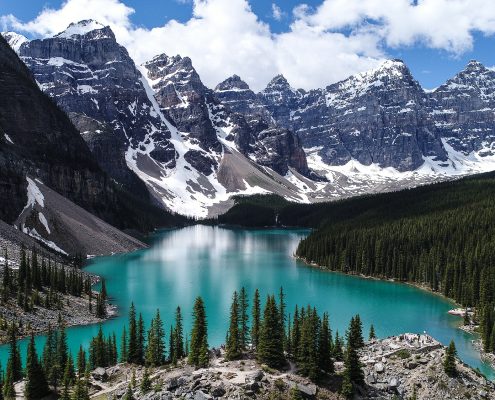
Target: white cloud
[440, 24]
[277, 12]
[224, 37]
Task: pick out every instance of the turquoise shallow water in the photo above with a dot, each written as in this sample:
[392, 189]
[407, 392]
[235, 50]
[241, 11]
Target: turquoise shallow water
[213, 262]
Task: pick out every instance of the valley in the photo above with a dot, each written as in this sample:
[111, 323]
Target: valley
[133, 188]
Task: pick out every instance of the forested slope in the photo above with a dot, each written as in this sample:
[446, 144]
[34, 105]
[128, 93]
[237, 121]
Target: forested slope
[440, 235]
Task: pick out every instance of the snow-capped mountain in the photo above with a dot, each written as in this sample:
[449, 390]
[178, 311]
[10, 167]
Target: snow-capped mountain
[193, 147]
[53, 190]
[161, 126]
[381, 126]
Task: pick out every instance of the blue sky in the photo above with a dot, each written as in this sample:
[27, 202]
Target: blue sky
[430, 64]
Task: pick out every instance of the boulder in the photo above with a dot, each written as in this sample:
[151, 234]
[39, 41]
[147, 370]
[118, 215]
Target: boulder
[100, 374]
[255, 376]
[200, 395]
[379, 367]
[307, 390]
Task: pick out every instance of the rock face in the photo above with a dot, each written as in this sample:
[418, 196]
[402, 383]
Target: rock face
[270, 144]
[170, 140]
[37, 140]
[195, 109]
[462, 110]
[94, 80]
[382, 117]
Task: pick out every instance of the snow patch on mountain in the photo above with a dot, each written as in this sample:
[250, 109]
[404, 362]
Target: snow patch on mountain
[15, 40]
[80, 28]
[34, 234]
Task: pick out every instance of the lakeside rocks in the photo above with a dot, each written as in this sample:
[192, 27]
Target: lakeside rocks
[394, 368]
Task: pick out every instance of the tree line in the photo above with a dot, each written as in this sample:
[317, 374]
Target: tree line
[42, 283]
[441, 237]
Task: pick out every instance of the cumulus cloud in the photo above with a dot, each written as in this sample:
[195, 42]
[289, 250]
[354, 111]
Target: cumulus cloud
[322, 45]
[277, 12]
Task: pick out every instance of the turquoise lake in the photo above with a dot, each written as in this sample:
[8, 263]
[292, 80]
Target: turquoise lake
[213, 262]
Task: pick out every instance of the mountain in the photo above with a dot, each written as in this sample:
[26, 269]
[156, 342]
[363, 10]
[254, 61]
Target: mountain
[380, 130]
[38, 143]
[463, 110]
[161, 133]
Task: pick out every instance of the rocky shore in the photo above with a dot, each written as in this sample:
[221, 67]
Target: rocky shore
[398, 367]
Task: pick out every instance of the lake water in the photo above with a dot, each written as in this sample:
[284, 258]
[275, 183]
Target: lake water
[213, 262]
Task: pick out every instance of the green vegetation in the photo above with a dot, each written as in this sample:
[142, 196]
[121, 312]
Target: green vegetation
[41, 284]
[449, 362]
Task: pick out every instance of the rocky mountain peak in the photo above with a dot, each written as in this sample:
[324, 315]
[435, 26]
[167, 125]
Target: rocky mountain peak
[84, 27]
[15, 40]
[278, 81]
[234, 83]
[475, 66]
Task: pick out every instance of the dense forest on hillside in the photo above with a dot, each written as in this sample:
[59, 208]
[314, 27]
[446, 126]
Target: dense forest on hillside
[440, 235]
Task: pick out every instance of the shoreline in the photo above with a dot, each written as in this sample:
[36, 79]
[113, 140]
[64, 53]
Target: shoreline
[476, 341]
[375, 278]
[74, 312]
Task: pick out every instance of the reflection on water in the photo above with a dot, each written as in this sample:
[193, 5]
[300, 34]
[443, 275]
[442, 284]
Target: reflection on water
[213, 262]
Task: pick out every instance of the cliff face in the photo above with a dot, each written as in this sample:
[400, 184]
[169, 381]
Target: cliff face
[38, 138]
[38, 141]
[93, 79]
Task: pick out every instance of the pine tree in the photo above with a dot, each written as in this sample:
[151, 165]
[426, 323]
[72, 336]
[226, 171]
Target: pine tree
[67, 380]
[36, 386]
[338, 352]
[372, 334]
[204, 356]
[124, 355]
[146, 382]
[14, 362]
[62, 349]
[281, 299]
[243, 318]
[270, 346]
[81, 361]
[198, 353]
[178, 335]
[171, 350]
[140, 342]
[233, 348]
[8, 389]
[324, 349]
[256, 326]
[103, 291]
[155, 351]
[347, 388]
[449, 362]
[133, 337]
[352, 365]
[101, 310]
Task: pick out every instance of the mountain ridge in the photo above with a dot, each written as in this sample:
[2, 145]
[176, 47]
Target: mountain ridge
[374, 131]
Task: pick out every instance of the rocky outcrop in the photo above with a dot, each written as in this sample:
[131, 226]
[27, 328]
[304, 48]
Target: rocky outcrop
[383, 117]
[268, 143]
[396, 367]
[462, 110]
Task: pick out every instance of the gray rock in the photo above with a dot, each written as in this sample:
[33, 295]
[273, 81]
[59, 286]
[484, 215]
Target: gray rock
[100, 374]
[307, 390]
[379, 367]
[200, 395]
